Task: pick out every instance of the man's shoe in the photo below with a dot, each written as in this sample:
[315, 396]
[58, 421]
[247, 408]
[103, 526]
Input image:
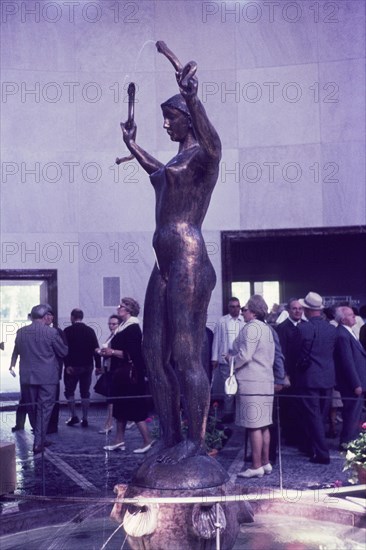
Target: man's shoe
[319, 460]
[72, 421]
[38, 449]
[17, 428]
[84, 423]
[258, 472]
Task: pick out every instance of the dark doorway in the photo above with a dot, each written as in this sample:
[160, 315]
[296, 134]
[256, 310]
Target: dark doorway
[330, 261]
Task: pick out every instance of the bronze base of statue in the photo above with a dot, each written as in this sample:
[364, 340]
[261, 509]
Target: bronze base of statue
[185, 526]
[196, 472]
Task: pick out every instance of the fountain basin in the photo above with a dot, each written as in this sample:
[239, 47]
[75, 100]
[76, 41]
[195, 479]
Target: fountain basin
[309, 520]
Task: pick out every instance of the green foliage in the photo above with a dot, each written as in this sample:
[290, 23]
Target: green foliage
[356, 454]
[214, 435]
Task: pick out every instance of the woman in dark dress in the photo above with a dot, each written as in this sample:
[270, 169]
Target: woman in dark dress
[128, 382]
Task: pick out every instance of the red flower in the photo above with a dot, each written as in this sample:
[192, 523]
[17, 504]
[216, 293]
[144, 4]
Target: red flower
[215, 404]
[363, 426]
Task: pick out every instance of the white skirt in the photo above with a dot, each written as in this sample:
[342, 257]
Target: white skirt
[254, 410]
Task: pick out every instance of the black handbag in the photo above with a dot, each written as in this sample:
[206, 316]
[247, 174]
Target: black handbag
[102, 385]
[126, 373]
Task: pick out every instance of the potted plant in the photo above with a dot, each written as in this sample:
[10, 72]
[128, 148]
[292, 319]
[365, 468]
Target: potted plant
[356, 457]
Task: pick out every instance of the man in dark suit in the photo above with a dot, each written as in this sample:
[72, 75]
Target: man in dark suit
[350, 363]
[315, 373]
[289, 407]
[39, 346]
[287, 329]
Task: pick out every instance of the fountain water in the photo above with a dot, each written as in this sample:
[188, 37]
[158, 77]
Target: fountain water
[279, 525]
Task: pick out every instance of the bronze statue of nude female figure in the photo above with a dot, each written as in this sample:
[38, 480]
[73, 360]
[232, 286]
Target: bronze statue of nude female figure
[183, 278]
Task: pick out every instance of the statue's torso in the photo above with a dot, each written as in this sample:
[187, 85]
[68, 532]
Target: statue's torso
[183, 191]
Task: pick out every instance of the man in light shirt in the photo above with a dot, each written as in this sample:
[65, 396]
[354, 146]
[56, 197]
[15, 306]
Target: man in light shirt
[226, 330]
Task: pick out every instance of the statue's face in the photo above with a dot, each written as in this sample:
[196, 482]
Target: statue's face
[176, 123]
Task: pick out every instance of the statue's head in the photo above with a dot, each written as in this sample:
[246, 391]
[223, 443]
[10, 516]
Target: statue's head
[177, 118]
[176, 102]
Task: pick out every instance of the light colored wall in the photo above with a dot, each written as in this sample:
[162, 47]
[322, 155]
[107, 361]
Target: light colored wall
[315, 57]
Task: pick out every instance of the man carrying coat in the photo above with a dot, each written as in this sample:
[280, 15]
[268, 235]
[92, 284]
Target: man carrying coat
[39, 346]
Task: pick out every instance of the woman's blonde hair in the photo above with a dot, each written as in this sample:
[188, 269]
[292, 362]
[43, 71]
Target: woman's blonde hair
[131, 306]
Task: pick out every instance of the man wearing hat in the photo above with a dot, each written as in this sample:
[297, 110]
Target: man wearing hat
[314, 376]
[39, 347]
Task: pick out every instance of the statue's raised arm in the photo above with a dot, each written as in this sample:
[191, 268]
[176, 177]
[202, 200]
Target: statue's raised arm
[205, 133]
[129, 129]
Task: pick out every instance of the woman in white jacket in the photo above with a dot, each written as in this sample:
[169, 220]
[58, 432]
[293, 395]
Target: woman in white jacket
[253, 353]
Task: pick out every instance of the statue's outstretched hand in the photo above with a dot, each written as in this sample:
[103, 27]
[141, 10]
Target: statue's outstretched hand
[128, 131]
[187, 80]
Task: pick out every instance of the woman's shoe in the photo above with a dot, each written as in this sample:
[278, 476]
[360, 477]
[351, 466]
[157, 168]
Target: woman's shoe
[267, 468]
[105, 431]
[258, 472]
[117, 446]
[144, 449]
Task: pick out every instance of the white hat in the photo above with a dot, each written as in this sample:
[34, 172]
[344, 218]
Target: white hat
[312, 301]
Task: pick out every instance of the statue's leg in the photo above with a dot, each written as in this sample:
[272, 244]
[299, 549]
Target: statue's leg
[163, 382]
[187, 312]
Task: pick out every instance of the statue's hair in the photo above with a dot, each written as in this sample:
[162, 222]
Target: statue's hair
[177, 102]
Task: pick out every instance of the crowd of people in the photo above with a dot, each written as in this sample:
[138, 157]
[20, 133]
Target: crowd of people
[310, 361]
[313, 357]
[46, 352]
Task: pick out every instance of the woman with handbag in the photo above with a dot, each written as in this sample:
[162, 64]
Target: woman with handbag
[127, 374]
[103, 383]
[253, 355]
